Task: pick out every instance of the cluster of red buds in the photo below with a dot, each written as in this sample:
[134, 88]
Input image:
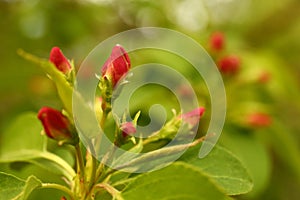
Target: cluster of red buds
[59, 127]
[56, 125]
[228, 63]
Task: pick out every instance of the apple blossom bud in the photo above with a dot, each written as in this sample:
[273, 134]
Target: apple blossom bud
[117, 65]
[229, 64]
[127, 129]
[193, 117]
[259, 120]
[57, 126]
[216, 41]
[59, 60]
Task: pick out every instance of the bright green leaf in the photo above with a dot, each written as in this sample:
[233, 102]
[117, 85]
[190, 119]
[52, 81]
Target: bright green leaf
[128, 156]
[155, 159]
[31, 184]
[22, 141]
[12, 187]
[223, 167]
[254, 156]
[177, 181]
[64, 89]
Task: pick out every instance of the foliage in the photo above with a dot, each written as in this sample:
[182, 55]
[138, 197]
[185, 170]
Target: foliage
[264, 35]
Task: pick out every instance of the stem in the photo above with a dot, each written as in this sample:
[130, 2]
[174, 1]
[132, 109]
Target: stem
[79, 162]
[59, 187]
[103, 119]
[94, 165]
[101, 165]
[100, 169]
[111, 190]
[104, 160]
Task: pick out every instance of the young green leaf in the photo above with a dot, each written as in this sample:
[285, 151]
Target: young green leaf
[177, 181]
[223, 167]
[64, 89]
[22, 139]
[31, 184]
[23, 142]
[12, 187]
[155, 159]
[254, 155]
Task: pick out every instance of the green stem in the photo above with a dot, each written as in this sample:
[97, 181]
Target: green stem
[69, 171]
[104, 160]
[103, 119]
[59, 187]
[101, 165]
[94, 165]
[79, 161]
[111, 190]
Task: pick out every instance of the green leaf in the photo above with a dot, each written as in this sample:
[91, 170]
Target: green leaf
[127, 156]
[22, 141]
[154, 159]
[223, 167]
[177, 181]
[253, 154]
[31, 184]
[12, 187]
[64, 89]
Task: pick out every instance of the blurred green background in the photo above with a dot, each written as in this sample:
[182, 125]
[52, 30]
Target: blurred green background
[264, 34]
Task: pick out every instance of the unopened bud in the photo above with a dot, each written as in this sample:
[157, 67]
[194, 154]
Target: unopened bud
[193, 117]
[128, 129]
[217, 41]
[59, 60]
[229, 64]
[57, 126]
[117, 65]
[258, 120]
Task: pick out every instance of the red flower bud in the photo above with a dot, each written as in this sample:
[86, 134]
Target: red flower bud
[217, 41]
[259, 120]
[127, 129]
[56, 125]
[117, 65]
[264, 77]
[193, 117]
[229, 64]
[59, 60]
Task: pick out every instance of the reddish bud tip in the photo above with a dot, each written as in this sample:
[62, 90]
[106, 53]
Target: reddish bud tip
[217, 41]
[193, 117]
[229, 64]
[55, 124]
[264, 77]
[117, 65]
[59, 60]
[259, 120]
[128, 129]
